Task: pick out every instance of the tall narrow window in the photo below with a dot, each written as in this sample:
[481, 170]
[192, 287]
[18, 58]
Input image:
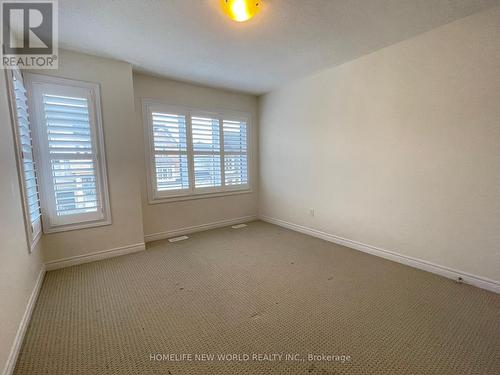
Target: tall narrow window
[170, 152]
[194, 153]
[25, 156]
[71, 149]
[206, 152]
[235, 153]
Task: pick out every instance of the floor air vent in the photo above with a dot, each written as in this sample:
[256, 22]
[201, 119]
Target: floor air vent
[238, 226]
[176, 239]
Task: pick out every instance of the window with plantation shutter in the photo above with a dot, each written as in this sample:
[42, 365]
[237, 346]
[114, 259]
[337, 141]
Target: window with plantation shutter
[71, 148]
[26, 160]
[195, 153]
[170, 152]
[206, 152]
[235, 153]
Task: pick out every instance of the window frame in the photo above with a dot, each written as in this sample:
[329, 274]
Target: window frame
[155, 197]
[76, 221]
[33, 230]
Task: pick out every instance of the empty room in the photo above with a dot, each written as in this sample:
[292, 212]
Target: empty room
[250, 187]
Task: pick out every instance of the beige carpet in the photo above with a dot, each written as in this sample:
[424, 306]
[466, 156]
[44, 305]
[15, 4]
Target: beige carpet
[258, 292]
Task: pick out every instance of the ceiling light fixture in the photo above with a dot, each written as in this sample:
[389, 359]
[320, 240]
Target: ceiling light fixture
[240, 10]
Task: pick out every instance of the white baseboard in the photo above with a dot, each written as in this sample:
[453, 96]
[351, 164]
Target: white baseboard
[197, 228]
[98, 255]
[23, 326]
[478, 281]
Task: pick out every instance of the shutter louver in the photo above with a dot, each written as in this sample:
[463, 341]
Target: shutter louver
[170, 149]
[206, 152]
[26, 147]
[235, 153]
[72, 155]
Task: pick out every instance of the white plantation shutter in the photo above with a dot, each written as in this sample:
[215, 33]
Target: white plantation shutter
[235, 153]
[170, 151]
[72, 158]
[195, 153]
[29, 178]
[206, 152]
[71, 149]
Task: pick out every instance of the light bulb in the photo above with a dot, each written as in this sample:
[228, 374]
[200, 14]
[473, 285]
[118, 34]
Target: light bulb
[240, 10]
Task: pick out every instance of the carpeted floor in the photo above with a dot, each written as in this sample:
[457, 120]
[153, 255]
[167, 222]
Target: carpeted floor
[258, 292]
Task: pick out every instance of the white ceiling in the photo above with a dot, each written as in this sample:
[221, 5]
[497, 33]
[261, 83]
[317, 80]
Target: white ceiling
[192, 40]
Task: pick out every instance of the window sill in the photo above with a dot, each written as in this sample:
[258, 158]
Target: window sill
[76, 226]
[181, 198]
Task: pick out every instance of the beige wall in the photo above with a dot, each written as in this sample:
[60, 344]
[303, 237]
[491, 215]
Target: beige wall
[399, 149]
[123, 157]
[165, 217]
[18, 268]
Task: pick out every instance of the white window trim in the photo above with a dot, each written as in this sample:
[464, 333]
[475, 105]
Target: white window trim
[32, 79]
[148, 105]
[32, 235]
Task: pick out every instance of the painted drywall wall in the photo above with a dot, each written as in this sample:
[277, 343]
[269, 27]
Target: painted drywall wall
[399, 149]
[19, 269]
[123, 157]
[164, 217]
